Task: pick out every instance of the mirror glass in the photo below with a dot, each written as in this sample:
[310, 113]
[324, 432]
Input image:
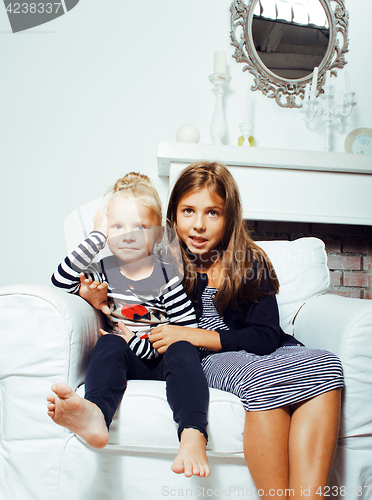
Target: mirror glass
[290, 37]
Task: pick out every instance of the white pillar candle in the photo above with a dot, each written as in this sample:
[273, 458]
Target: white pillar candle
[347, 82]
[315, 79]
[248, 108]
[219, 61]
[307, 90]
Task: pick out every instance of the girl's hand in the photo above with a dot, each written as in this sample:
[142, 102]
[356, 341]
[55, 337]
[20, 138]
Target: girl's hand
[163, 336]
[95, 293]
[125, 332]
[100, 220]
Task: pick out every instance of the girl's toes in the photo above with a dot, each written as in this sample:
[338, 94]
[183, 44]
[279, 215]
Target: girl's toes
[201, 470]
[188, 469]
[51, 398]
[195, 470]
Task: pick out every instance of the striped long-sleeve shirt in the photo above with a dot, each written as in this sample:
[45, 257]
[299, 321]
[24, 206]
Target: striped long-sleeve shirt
[141, 304]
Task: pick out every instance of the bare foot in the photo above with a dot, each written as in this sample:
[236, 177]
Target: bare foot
[191, 458]
[78, 415]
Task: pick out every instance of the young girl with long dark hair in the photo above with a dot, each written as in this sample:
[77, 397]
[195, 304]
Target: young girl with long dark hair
[291, 393]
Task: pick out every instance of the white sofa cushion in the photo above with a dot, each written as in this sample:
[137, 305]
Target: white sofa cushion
[301, 267]
[144, 421]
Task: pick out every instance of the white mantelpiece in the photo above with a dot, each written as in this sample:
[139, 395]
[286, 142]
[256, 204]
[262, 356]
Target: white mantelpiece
[286, 185]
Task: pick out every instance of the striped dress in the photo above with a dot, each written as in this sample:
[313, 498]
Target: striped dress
[288, 375]
[140, 304]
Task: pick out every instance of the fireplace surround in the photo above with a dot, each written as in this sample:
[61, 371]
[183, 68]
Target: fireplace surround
[289, 194]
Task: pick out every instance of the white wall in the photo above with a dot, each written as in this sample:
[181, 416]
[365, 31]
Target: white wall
[87, 97]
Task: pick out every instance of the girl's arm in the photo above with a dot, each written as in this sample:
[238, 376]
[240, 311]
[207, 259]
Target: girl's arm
[181, 315]
[67, 274]
[255, 328]
[141, 347]
[163, 336]
[95, 293]
[178, 306]
[179, 310]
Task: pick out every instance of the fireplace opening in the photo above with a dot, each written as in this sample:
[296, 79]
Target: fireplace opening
[348, 247]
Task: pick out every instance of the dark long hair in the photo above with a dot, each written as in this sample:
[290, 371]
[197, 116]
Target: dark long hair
[247, 271]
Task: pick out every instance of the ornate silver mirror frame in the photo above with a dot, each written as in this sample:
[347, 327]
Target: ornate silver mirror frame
[272, 85]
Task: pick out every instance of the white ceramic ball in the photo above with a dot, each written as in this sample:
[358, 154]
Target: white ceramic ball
[187, 133]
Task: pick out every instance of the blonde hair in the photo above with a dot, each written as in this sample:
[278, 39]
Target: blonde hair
[140, 187]
[238, 252]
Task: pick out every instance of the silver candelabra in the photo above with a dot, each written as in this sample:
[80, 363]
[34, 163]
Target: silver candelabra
[312, 106]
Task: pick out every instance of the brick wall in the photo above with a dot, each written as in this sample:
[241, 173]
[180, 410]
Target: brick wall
[349, 250]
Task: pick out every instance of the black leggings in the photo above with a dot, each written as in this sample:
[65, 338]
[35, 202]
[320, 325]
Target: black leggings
[113, 363]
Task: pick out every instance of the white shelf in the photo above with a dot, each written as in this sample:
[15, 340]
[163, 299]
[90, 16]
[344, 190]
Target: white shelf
[179, 152]
[286, 185]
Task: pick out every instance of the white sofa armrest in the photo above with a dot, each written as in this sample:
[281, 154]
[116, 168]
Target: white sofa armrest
[46, 336]
[344, 327]
[51, 333]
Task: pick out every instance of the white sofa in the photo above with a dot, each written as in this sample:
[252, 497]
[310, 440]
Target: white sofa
[47, 336]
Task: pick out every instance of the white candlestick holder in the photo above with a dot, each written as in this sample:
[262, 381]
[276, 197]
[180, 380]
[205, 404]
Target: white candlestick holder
[218, 124]
[246, 130]
[312, 108]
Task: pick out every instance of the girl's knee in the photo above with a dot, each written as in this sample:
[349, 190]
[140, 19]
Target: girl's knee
[112, 341]
[181, 350]
[181, 346]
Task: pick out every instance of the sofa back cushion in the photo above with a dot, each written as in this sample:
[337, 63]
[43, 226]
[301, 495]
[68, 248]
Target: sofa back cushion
[301, 265]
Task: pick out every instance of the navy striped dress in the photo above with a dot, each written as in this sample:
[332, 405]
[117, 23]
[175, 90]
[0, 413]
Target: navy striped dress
[288, 375]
